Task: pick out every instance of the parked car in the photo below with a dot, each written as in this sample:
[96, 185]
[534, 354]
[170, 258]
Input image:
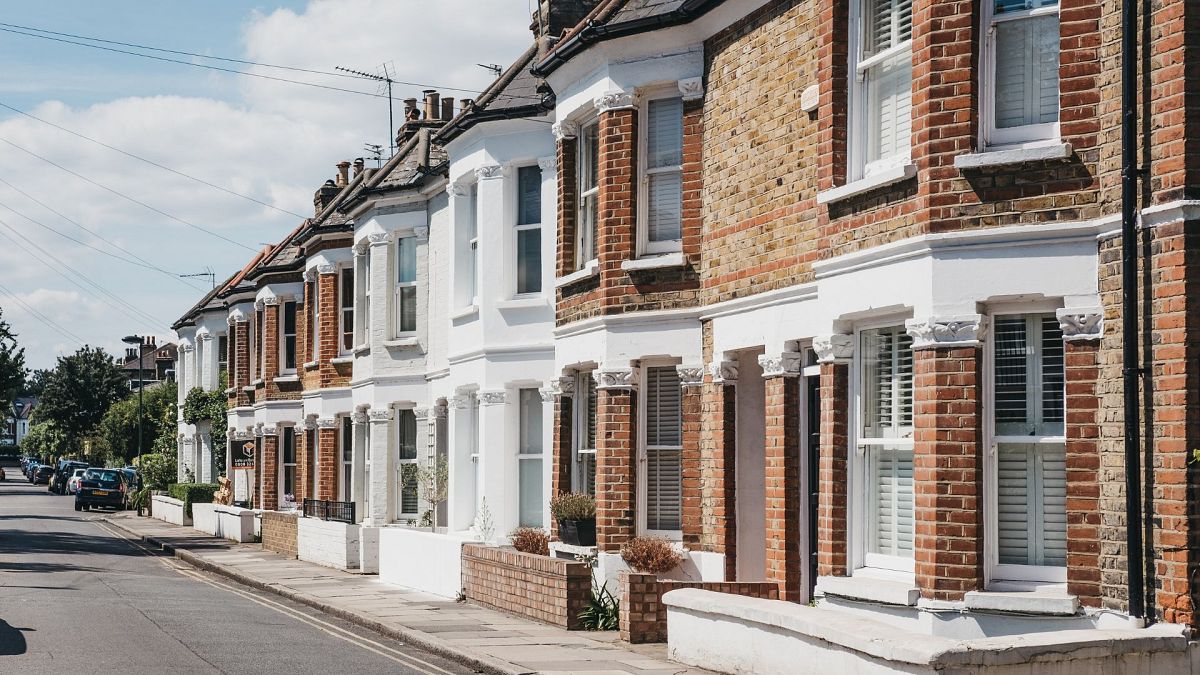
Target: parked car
[42, 474]
[101, 487]
[73, 481]
[66, 467]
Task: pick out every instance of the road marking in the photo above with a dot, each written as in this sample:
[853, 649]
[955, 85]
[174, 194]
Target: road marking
[328, 628]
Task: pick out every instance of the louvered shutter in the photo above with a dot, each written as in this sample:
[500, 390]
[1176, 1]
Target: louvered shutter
[664, 452]
[890, 109]
[1031, 498]
[1029, 376]
[1026, 89]
[893, 496]
[886, 23]
[888, 384]
[664, 157]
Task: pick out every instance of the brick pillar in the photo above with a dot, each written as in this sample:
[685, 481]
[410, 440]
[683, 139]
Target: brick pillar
[783, 493]
[690, 378]
[328, 332]
[327, 453]
[719, 461]
[561, 459]
[270, 348]
[258, 471]
[832, 537]
[305, 440]
[1083, 467]
[947, 461]
[240, 338]
[567, 187]
[617, 196]
[616, 434]
[270, 469]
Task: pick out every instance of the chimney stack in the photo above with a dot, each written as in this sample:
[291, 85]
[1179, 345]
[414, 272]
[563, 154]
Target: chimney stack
[432, 105]
[410, 104]
[554, 17]
[447, 108]
[358, 166]
[343, 173]
[325, 196]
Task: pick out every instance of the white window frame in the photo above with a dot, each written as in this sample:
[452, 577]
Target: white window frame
[472, 253]
[223, 360]
[581, 153]
[399, 286]
[579, 435]
[517, 228]
[859, 480]
[994, 570]
[644, 245]
[414, 461]
[345, 461]
[643, 456]
[1029, 135]
[286, 431]
[284, 335]
[342, 310]
[362, 300]
[859, 135]
[522, 456]
[255, 333]
[314, 318]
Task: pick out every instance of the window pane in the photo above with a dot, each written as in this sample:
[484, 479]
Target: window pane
[1009, 6]
[531, 422]
[664, 208]
[289, 445]
[406, 260]
[529, 261]
[892, 502]
[1028, 376]
[587, 228]
[664, 488]
[887, 383]
[1053, 376]
[590, 432]
[886, 24]
[1026, 72]
[589, 150]
[664, 411]
[1031, 498]
[889, 109]
[530, 492]
[347, 439]
[406, 425]
[664, 137]
[408, 309]
[529, 195]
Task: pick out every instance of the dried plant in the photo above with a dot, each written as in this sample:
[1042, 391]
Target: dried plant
[572, 506]
[530, 540]
[650, 555]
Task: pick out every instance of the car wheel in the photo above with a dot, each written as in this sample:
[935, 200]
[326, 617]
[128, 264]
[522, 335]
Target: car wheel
[78, 506]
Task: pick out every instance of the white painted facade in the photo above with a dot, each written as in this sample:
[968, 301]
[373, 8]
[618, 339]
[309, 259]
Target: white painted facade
[200, 358]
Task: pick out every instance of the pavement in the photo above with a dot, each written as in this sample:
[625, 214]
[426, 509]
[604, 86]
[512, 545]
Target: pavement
[78, 596]
[480, 638]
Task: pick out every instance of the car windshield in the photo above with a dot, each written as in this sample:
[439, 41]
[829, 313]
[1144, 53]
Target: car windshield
[79, 472]
[102, 476]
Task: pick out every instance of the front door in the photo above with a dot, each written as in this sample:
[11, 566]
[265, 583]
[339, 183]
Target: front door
[810, 484]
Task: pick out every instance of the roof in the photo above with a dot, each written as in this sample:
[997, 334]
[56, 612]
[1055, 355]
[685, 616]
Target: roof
[613, 19]
[151, 354]
[516, 93]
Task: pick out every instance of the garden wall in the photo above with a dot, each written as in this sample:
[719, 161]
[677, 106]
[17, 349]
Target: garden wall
[535, 586]
[644, 616]
[279, 533]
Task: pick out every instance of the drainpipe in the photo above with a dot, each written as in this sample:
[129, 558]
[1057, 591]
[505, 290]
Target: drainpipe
[1130, 371]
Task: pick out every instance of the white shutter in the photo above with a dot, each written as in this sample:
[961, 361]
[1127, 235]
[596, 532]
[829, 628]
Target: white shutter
[1053, 376]
[892, 474]
[664, 412]
[889, 111]
[1032, 498]
[888, 384]
[664, 159]
[1027, 71]
[887, 23]
[664, 452]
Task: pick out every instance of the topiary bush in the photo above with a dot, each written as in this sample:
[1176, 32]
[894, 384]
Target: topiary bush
[193, 493]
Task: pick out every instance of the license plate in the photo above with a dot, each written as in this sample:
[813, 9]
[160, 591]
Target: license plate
[100, 493]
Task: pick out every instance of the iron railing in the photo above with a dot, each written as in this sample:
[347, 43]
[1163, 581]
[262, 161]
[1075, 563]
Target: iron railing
[325, 509]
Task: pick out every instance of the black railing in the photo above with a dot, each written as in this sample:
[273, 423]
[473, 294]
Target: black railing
[342, 512]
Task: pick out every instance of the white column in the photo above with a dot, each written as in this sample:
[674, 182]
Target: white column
[378, 326]
[549, 392]
[462, 435]
[498, 463]
[381, 509]
[494, 256]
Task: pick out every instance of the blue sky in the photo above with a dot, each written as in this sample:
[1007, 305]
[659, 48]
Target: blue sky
[274, 141]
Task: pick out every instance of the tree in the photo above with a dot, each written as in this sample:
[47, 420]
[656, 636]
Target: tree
[78, 392]
[210, 406]
[12, 365]
[35, 382]
[118, 428]
[43, 441]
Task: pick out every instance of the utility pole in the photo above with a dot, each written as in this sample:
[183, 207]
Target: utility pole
[386, 78]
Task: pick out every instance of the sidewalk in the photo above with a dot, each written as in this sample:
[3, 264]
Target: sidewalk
[484, 639]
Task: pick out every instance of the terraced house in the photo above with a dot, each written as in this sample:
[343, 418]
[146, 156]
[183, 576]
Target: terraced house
[832, 298]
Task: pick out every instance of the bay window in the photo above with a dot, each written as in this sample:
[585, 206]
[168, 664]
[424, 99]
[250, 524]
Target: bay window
[661, 457]
[661, 187]
[881, 95]
[406, 464]
[588, 180]
[1020, 75]
[584, 475]
[405, 296]
[529, 230]
[287, 344]
[886, 446]
[346, 309]
[1029, 518]
[529, 458]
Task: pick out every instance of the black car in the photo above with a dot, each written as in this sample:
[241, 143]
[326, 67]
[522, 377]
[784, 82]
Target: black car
[101, 487]
[41, 475]
[66, 467]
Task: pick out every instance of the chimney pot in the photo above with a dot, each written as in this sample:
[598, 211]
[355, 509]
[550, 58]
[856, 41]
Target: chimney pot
[447, 108]
[432, 104]
[343, 173]
[467, 103]
[358, 166]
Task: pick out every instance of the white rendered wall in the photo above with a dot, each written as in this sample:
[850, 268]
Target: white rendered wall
[423, 561]
[328, 543]
[169, 510]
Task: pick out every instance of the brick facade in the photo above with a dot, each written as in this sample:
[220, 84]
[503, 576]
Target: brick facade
[643, 616]
[718, 463]
[1083, 476]
[616, 451]
[784, 564]
[832, 539]
[538, 587]
[692, 525]
[270, 472]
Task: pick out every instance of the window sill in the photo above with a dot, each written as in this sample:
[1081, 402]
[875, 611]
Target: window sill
[865, 185]
[402, 343]
[231, 391]
[342, 359]
[362, 350]
[997, 158]
[885, 591]
[285, 379]
[591, 269]
[258, 383]
[534, 302]
[468, 311]
[571, 550]
[249, 388]
[1024, 598]
[658, 262]
[311, 365]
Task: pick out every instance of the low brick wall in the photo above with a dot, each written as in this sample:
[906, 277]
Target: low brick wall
[534, 586]
[644, 616]
[279, 533]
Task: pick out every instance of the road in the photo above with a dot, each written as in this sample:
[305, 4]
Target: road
[78, 597]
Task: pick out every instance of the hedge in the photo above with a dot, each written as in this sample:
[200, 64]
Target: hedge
[192, 493]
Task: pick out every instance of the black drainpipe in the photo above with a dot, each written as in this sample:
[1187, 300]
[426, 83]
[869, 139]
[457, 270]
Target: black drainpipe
[1130, 371]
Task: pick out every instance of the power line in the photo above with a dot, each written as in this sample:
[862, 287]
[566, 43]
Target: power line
[149, 161]
[95, 234]
[128, 198]
[42, 317]
[70, 238]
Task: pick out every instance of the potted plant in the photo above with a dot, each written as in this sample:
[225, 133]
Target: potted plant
[575, 513]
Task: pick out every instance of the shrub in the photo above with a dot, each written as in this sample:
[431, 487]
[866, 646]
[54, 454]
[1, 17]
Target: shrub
[157, 470]
[603, 611]
[192, 493]
[531, 540]
[572, 506]
[650, 555]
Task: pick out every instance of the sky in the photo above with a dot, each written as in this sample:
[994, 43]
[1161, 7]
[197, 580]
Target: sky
[92, 241]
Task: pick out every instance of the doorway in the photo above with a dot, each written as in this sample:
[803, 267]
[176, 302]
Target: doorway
[811, 471]
[751, 470]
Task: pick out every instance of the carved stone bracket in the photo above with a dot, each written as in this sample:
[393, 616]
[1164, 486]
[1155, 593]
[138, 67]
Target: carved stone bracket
[381, 416]
[310, 423]
[548, 394]
[326, 269]
[378, 238]
[613, 100]
[421, 231]
[564, 129]
[327, 423]
[692, 88]
[488, 172]
[360, 417]
[457, 190]
[966, 330]
[549, 164]
[1080, 324]
[494, 397]
[724, 372]
[566, 385]
[690, 375]
[269, 430]
[783, 364]
[460, 401]
[615, 378]
[833, 348]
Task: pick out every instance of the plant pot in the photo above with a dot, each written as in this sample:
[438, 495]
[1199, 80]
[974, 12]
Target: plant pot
[577, 532]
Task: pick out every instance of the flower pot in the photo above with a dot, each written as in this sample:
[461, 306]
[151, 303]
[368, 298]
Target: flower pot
[578, 532]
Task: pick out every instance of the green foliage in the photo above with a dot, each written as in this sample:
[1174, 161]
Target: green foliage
[192, 493]
[78, 393]
[209, 406]
[158, 470]
[432, 481]
[44, 439]
[603, 611]
[118, 428]
[141, 499]
[12, 365]
[572, 506]
[35, 382]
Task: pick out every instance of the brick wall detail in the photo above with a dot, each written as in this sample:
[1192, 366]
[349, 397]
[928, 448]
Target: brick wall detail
[616, 415]
[279, 533]
[1083, 466]
[832, 537]
[783, 494]
[643, 616]
[539, 587]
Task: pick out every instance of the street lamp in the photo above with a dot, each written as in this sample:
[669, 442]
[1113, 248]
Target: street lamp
[140, 342]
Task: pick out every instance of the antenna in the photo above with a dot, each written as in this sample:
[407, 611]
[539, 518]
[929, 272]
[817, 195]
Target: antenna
[495, 68]
[208, 272]
[386, 78]
[376, 151]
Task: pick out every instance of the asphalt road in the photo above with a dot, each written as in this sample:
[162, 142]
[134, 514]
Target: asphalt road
[77, 597]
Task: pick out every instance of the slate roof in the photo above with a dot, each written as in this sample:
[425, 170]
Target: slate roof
[516, 93]
[641, 9]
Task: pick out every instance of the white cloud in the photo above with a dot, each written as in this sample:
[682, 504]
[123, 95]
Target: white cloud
[277, 142]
